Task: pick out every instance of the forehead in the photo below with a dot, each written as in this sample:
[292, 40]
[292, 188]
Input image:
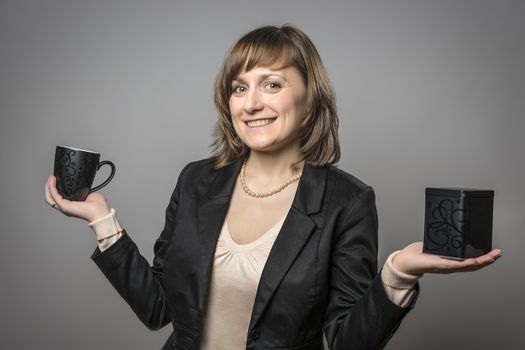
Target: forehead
[266, 71]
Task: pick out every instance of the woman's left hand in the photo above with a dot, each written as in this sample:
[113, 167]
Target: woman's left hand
[412, 260]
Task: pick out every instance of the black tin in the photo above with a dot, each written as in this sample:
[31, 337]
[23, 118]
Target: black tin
[458, 222]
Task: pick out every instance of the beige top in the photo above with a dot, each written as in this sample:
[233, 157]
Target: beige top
[237, 269]
[235, 276]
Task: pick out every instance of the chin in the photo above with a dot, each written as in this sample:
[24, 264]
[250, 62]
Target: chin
[269, 148]
[262, 148]
[268, 144]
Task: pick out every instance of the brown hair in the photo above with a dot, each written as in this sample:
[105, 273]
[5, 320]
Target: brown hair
[290, 47]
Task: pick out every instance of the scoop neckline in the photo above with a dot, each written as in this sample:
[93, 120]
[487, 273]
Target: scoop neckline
[258, 240]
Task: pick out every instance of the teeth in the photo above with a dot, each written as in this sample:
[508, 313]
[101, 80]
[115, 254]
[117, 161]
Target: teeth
[259, 122]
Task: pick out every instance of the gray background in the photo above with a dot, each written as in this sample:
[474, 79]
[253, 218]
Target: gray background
[430, 93]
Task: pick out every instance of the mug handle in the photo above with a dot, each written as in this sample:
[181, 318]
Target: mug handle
[104, 162]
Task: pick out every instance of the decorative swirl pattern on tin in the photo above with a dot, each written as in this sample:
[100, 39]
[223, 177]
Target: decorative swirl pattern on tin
[447, 227]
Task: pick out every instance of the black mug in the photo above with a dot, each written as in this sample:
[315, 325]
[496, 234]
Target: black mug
[75, 170]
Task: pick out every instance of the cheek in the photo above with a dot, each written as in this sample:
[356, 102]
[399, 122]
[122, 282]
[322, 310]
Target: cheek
[234, 107]
[235, 113]
[300, 106]
[295, 107]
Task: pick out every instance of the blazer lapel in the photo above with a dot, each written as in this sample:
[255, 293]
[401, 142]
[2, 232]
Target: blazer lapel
[211, 214]
[294, 233]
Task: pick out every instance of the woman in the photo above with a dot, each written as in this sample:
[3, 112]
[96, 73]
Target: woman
[266, 244]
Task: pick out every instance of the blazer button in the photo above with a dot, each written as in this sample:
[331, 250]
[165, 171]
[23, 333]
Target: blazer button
[255, 334]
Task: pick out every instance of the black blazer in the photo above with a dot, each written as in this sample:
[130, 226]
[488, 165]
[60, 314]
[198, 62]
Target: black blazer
[321, 274]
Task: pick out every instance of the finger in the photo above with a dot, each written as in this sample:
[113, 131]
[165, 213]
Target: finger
[473, 264]
[57, 197]
[49, 197]
[47, 192]
[496, 253]
[488, 258]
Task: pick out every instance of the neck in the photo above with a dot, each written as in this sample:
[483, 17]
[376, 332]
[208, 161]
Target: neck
[271, 168]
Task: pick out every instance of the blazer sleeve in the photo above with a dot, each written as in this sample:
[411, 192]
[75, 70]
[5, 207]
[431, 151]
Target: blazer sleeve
[359, 314]
[139, 284]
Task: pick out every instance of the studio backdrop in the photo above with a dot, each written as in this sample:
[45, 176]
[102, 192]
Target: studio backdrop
[429, 94]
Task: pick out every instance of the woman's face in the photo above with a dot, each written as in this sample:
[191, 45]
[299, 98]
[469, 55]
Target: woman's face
[267, 106]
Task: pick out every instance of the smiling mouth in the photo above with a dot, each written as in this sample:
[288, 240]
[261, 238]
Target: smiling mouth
[260, 122]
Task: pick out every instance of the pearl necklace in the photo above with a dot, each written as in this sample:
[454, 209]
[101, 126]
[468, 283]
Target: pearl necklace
[267, 194]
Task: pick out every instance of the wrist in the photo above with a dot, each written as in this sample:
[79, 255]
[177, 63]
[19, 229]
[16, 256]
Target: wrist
[106, 226]
[396, 278]
[398, 264]
[393, 261]
[99, 214]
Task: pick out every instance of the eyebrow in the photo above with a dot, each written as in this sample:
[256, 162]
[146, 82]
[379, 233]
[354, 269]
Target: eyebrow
[260, 77]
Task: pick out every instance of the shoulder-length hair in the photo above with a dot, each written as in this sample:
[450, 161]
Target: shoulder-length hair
[287, 46]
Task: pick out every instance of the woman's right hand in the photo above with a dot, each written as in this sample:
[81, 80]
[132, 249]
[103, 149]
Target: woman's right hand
[94, 207]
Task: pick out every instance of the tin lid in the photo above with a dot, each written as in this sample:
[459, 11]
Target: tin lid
[458, 192]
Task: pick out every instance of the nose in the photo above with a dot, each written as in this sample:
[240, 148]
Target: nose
[252, 102]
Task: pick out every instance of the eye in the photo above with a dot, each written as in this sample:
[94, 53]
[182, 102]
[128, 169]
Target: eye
[238, 89]
[272, 85]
